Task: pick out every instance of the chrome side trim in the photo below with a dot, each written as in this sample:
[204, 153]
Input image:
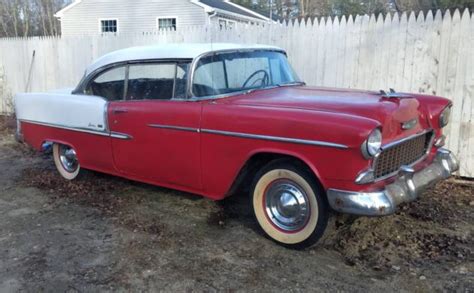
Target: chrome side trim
[79, 129]
[251, 136]
[210, 131]
[276, 138]
[119, 135]
[172, 127]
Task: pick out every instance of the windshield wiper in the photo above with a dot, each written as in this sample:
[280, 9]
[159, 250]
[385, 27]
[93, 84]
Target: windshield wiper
[259, 88]
[246, 92]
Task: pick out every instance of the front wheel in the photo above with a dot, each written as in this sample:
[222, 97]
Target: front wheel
[66, 161]
[289, 205]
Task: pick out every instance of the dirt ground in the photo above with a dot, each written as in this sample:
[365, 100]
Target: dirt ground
[110, 234]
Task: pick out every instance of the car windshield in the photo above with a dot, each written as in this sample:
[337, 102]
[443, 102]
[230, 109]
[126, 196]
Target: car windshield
[226, 73]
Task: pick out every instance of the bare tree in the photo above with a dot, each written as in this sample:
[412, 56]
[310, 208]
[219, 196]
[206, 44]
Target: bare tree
[26, 18]
[14, 13]
[417, 5]
[29, 17]
[3, 18]
[290, 9]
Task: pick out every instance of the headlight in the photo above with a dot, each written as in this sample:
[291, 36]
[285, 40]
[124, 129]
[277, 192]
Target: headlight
[373, 143]
[444, 117]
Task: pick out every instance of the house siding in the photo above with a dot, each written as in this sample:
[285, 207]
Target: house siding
[133, 16]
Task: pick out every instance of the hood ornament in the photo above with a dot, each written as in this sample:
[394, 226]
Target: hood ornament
[392, 94]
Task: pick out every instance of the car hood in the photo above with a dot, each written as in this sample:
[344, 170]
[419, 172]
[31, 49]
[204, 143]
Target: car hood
[391, 112]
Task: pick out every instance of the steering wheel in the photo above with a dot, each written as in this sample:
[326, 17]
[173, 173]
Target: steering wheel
[264, 79]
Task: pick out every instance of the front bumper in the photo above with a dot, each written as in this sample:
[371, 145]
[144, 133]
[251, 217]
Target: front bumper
[406, 188]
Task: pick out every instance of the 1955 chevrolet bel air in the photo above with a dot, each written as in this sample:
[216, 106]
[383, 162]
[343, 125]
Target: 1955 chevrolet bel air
[219, 119]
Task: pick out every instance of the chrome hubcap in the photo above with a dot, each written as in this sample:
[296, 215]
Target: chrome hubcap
[287, 205]
[68, 158]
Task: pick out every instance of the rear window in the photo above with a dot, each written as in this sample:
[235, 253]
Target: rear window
[146, 81]
[109, 85]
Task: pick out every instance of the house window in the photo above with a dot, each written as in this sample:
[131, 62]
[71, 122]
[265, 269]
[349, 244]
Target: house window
[109, 25]
[166, 23]
[226, 24]
[222, 24]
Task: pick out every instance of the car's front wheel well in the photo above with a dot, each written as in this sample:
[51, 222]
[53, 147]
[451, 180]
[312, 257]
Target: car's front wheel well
[243, 181]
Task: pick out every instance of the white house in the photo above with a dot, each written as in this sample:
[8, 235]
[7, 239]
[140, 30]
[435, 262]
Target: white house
[88, 17]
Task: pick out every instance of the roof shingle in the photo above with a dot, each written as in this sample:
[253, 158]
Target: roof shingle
[226, 6]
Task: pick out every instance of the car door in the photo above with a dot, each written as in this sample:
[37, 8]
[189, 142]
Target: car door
[155, 129]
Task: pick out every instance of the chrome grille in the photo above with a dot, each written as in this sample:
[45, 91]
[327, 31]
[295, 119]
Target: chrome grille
[405, 152]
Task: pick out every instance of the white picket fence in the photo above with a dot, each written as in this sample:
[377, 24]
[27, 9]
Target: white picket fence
[432, 53]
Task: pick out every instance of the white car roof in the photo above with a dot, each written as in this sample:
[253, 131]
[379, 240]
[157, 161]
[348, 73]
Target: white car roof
[169, 51]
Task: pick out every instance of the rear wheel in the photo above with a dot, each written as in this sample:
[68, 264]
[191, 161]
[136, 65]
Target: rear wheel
[65, 159]
[289, 205]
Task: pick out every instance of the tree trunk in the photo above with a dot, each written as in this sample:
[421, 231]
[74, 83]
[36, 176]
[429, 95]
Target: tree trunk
[42, 15]
[26, 19]
[4, 27]
[49, 14]
[302, 8]
[14, 11]
[3, 21]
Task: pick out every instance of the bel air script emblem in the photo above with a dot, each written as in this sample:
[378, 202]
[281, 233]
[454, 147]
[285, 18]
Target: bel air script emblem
[409, 124]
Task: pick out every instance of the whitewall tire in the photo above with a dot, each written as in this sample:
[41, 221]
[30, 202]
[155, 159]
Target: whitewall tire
[66, 161]
[289, 204]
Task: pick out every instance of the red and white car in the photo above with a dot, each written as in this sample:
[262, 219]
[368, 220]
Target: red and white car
[219, 119]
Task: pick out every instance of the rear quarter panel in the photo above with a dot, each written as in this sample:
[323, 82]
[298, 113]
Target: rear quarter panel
[93, 151]
[80, 111]
[53, 117]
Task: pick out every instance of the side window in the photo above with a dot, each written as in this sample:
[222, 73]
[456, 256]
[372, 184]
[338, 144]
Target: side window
[181, 80]
[209, 78]
[109, 84]
[151, 81]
